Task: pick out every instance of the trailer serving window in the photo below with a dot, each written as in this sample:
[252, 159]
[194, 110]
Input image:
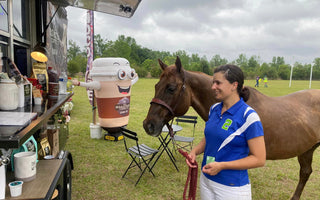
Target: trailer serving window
[15, 32]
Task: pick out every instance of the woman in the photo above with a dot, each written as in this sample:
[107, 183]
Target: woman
[233, 141]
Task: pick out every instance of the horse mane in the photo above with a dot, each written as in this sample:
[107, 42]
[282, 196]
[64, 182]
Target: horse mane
[249, 92]
[200, 74]
[246, 92]
[203, 81]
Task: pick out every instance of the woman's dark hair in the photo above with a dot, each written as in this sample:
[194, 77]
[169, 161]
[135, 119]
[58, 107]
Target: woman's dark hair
[233, 74]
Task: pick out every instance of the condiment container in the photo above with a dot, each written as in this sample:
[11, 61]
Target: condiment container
[9, 99]
[25, 166]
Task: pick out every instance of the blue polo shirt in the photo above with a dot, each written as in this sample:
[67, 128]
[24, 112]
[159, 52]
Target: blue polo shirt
[226, 139]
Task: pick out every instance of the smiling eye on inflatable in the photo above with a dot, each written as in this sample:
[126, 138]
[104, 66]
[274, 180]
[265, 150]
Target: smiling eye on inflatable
[121, 74]
[132, 73]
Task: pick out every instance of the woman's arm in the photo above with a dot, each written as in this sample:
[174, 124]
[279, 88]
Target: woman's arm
[256, 158]
[199, 149]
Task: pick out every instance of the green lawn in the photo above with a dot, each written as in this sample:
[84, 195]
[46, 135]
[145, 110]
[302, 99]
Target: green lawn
[99, 164]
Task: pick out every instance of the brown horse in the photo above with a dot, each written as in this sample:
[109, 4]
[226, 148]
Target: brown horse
[291, 123]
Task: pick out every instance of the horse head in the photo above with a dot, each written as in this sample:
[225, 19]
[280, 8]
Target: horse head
[172, 98]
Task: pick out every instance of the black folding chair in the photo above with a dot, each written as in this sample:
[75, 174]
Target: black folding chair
[140, 153]
[184, 142]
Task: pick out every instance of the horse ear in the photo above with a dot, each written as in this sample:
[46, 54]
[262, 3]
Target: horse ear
[162, 65]
[178, 64]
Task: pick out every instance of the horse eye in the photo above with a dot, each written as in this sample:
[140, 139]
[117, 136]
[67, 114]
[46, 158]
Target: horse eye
[121, 74]
[171, 89]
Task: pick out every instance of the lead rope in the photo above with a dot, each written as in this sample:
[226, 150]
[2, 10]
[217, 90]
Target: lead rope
[192, 178]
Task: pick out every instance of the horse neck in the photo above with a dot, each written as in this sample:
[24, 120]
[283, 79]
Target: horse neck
[201, 93]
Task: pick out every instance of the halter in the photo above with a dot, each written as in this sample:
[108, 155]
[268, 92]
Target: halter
[164, 104]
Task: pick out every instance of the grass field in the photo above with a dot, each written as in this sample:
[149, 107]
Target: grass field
[99, 164]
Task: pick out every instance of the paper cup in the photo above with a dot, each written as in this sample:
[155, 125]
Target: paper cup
[15, 188]
[25, 167]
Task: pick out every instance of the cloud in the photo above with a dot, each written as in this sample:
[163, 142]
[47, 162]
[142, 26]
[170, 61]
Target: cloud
[264, 28]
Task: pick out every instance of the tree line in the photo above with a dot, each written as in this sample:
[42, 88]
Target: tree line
[145, 61]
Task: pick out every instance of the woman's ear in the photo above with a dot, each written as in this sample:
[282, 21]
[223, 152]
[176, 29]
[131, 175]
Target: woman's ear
[235, 85]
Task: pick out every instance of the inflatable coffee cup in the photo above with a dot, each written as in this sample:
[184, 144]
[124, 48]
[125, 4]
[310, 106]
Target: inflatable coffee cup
[112, 79]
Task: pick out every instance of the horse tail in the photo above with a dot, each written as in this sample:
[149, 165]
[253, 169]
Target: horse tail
[245, 93]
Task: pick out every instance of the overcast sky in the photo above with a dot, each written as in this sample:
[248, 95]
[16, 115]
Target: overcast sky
[265, 28]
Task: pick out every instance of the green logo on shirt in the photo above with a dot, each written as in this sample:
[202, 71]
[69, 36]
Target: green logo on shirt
[227, 124]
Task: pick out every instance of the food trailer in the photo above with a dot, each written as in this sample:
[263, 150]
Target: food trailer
[29, 26]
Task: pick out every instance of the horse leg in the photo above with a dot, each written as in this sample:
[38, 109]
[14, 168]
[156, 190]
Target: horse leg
[305, 161]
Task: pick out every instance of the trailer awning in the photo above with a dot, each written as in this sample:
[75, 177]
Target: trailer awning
[123, 8]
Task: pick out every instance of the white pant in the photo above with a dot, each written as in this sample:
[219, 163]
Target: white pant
[210, 190]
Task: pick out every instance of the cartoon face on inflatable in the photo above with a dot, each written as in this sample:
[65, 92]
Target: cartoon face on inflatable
[115, 77]
[123, 75]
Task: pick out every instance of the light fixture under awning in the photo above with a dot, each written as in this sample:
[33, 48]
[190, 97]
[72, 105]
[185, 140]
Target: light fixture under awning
[124, 8]
[39, 53]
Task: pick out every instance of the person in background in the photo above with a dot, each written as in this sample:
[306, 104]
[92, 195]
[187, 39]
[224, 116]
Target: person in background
[257, 81]
[265, 80]
[233, 140]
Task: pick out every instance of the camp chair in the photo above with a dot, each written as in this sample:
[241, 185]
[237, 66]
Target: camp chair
[184, 142]
[140, 153]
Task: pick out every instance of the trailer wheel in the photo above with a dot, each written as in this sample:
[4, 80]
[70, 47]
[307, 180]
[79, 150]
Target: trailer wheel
[67, 181]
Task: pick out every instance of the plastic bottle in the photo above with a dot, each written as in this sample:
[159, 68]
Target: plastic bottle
[53, 82]
[69, 85]
[63, 79]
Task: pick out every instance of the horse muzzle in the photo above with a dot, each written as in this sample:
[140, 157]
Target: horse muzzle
[152, 129]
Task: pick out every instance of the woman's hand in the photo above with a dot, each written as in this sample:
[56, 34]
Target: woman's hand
[75, 82]
[199, 149]
[212, 168]
[192, 157]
